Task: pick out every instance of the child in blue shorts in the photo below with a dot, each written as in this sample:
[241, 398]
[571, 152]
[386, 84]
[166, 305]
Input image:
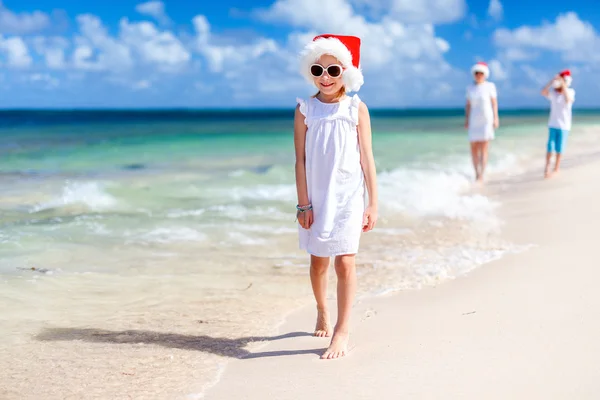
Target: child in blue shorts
[561, 99]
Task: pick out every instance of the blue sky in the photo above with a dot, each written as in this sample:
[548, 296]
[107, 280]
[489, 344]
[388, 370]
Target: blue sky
[175, 53]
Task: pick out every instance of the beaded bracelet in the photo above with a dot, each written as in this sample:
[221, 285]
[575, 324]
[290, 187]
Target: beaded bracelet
[305, 208]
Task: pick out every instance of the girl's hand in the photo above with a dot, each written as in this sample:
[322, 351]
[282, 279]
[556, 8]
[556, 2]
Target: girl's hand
[305, 219]
[369, 219]
[496, 123]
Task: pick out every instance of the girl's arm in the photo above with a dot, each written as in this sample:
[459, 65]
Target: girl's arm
[467, 113]
[300, 128]
[495, 107]
[367, 163]
[567, 93]
[545, 89]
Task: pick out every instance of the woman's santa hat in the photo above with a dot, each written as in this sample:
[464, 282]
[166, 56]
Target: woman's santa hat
[481, 67]
[566, 74]
[345, 48]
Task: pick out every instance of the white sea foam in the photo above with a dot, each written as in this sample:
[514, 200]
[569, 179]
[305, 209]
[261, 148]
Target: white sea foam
[5, 237]
[414, 269]
[238, 238]
[242, 213]
[91, 195]
[393, 231]
[423, 193]
[166, 235]
[264, 192]
[185, 213]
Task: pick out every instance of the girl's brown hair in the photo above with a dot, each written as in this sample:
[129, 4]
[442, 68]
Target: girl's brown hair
[338, 95]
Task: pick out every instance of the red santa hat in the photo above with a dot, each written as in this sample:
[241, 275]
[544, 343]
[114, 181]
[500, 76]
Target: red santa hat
[566, 74]
[481, 67]
[345, 48]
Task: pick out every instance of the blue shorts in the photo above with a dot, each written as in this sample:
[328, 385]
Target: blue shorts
[557, 140]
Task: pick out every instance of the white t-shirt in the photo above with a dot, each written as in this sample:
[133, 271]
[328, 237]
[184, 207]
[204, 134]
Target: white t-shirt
[560, 110]
[480, 96]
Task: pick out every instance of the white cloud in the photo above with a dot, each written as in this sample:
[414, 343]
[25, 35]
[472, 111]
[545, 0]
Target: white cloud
[97, 50]
[400, 49]
[48, 81]
[139, 43]
[393, 53]
[575, 39]
[538, 76]
[415, 11]
[443, 89]
[16, 52]
[155, 9]
[386, 42]
[442, 45]
[497, 70]
[82, 58]
[518, 54]
[143, 84]
[323, 15]
[338, 15]
[22, 23]
[152, 45]
[230, 54]
[495, 10]
[52, 49]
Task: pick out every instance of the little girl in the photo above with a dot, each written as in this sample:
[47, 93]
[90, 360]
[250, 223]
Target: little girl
[561, 110]
[481, 116]
[334, 159]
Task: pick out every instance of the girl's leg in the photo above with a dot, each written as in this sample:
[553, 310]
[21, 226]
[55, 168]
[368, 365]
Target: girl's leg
[318, 279]
[549, 151]
[557, 163]
[475, 158]
[560, 145]
[547, 173]
[483, 154]
[345, 269]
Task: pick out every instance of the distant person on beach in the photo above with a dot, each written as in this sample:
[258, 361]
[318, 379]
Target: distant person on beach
[334, 163]
[561, 103]
[481, 116]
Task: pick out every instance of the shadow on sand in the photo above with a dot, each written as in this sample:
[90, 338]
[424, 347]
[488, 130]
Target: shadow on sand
[233, 348]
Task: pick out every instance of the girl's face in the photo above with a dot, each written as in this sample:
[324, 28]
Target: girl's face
[328, 78]
[479, 77]
[558, 84]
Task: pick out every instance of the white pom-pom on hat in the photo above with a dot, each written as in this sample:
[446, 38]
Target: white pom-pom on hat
[566, 74]
[481, 67]
[345, 48]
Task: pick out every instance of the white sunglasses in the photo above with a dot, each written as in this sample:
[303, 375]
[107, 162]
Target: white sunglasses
[334, 70]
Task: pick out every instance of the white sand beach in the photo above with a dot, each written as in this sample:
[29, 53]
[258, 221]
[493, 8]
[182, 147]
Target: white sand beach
[523, 327]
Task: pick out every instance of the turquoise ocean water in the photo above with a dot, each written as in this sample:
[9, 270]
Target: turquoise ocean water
[133, 220]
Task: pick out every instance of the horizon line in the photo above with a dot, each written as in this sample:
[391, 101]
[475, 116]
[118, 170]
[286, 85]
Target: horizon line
[260, 109]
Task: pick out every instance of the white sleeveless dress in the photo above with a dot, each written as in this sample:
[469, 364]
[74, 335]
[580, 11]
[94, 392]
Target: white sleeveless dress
[334, 177]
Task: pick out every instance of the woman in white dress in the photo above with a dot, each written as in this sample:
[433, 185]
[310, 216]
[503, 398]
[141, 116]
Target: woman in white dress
[334, 163]
[481, 116]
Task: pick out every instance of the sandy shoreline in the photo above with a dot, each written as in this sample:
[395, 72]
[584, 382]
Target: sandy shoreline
[153, 336]
[521, 327]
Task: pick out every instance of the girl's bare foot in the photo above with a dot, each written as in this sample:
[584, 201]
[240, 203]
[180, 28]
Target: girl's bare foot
[323, 328]
[338, 347]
